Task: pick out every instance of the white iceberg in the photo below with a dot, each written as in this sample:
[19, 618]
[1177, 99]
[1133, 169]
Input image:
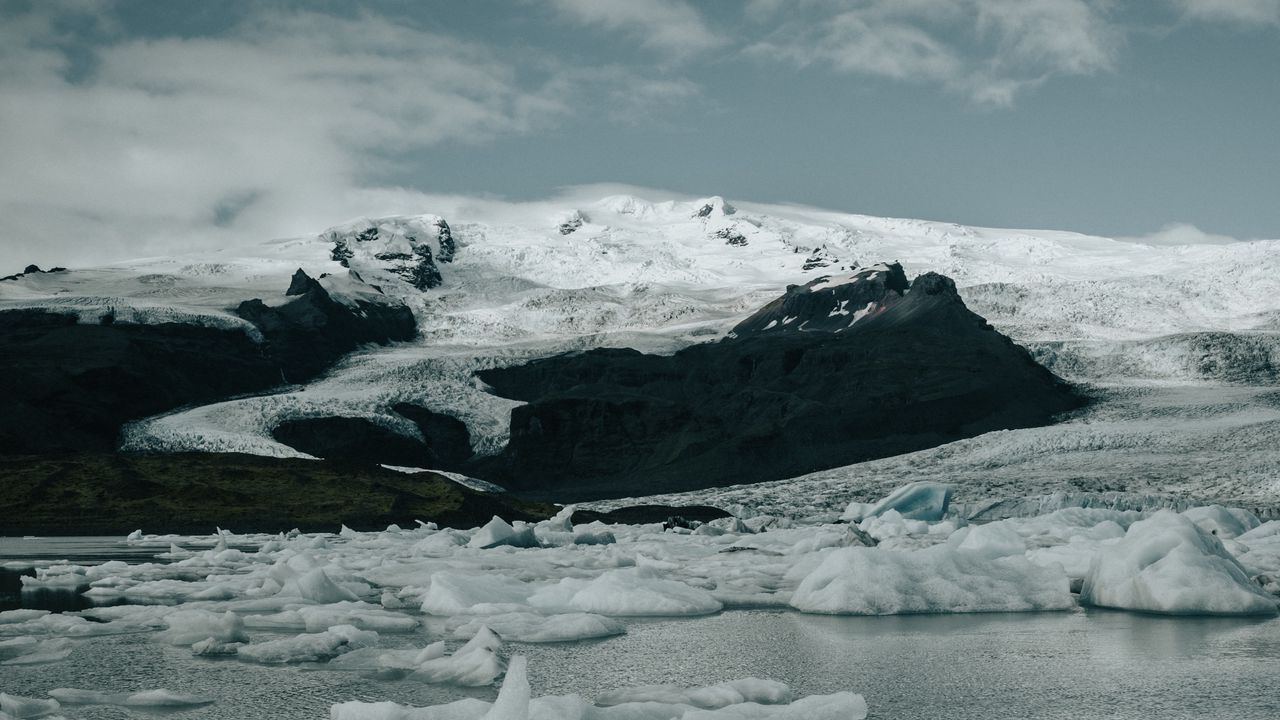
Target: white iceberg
[535, 628]
[1168, 564]
[976, 570]
[187, 627]
[312, 647]
[626, 592]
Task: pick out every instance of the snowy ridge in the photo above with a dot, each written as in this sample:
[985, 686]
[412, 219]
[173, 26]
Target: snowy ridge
[597, 268]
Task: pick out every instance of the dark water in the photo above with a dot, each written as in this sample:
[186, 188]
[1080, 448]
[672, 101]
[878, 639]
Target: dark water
[20, 556]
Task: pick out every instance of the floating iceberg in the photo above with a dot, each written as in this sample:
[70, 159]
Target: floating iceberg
[311, 647]
[144, 699]
[187, 627]
[626, 592]
[1168, 564]
[749, 699]
[535, 628]
[976, 570]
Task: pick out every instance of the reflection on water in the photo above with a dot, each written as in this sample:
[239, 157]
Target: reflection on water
[20, 556]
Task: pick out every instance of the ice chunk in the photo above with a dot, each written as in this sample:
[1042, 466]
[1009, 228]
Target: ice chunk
[316, 618]
[475, 663]
[535, 628]
[939, 579]
[626, 592]
[23, 707]
[1167, 564]
[593, 534]
[1225, 523]
[146, 699]
[316, 585]
[513, 696]
[460, 593]
[498, 532]
[562, 521]
[747, 690]
[27, 650]
[187, 627]
[314, 647]
[915, 501]
[10, 617]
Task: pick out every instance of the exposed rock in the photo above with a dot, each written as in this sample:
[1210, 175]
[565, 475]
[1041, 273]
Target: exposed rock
[71, 386]
[447, 443]
[405, 247]
[306, 334]
[819, 258]
[571, 224]
[669, 515]
[32, 270]
[779, 399]
[835, 304]
[301, 283]
[447, 437]
[353, 440]
[112, 494]
[731, 236]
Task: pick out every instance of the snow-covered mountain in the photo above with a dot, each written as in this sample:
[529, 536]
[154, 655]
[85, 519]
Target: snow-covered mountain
[493, 283]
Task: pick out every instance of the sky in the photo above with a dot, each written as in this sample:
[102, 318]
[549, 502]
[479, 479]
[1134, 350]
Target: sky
[146, 127]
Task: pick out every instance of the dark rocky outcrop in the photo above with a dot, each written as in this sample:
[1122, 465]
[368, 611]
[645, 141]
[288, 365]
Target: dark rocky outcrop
[447, 437]
[71, 386]
[353, 440]
[399, 246]
[669, 515]
[800, 387]
[446, 443]
[307, 334]
[32, 270]
[114, 494]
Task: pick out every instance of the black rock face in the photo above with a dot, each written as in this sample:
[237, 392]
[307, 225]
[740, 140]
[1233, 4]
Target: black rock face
[447, 443]
[353, 440]
[833, 304]
[116, 493]
[778, 399]
[71, 386]
[307, 334]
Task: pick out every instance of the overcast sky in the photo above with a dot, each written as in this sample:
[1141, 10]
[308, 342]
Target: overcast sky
[133, 128]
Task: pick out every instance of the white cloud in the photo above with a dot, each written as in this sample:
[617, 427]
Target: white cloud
[988, 50]
[1181, 234]
[672, 27]
[1240, 12]
[273, 130]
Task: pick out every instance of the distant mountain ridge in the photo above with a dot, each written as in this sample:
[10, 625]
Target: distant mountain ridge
[511, 283]
[801, 385]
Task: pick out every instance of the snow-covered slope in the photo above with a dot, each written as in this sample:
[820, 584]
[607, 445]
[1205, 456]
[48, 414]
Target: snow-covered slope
[524, 280]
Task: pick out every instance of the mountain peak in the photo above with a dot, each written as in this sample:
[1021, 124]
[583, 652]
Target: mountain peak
[406, 246]
[832, 303]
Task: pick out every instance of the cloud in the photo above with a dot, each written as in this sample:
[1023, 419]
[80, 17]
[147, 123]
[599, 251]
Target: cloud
[1237, 12]
[672, 27]
[988, 50]
[1180, 234]
[278, 127]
